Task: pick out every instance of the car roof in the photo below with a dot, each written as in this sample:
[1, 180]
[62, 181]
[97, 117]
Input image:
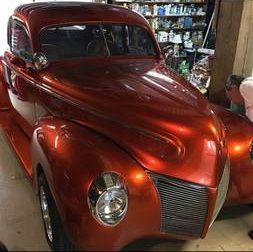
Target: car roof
[37, 16]
[52, 13]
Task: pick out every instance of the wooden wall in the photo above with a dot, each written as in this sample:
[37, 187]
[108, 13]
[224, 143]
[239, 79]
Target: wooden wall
[243, 64]
[228, 29]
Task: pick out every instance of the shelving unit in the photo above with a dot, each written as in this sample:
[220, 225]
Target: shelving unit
[162, 2]
[182, 29]
[173, 15]
[179, 25]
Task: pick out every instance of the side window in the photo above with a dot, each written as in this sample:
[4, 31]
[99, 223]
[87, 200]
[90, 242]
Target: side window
[139, 41]
[128, 40]
[19, 41]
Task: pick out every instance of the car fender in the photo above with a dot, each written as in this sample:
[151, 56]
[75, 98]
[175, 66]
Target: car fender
[71, 156]
[239, 137]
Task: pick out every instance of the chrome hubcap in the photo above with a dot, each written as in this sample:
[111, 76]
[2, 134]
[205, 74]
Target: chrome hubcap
[45, 214]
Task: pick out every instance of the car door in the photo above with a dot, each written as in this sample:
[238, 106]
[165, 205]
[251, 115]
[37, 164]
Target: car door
[19, 76]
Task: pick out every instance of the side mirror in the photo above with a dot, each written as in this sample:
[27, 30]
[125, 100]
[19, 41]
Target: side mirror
[167, 51]
[40, 61]
[163, 55]
[18, 62]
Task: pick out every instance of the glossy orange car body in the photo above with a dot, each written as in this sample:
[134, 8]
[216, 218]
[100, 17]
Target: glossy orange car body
[77, 119]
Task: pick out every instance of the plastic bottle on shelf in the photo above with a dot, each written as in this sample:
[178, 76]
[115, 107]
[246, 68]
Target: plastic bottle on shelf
[167, 9]
[155, 9]
[181, 9]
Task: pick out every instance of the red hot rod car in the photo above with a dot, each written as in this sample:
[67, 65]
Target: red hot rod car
[117, 146]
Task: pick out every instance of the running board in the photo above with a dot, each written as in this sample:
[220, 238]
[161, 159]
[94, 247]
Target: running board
[18, 140]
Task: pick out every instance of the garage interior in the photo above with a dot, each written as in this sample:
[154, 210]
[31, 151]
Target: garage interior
[227, 39]
[21, 226]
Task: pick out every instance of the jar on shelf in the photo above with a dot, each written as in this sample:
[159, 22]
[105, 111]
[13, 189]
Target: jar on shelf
[162, 36]
[171, 35]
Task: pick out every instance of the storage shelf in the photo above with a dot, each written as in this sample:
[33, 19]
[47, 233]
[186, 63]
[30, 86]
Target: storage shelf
[173, 15]
[182, 29]
[159, 2]
[199, 8]
[169, 42]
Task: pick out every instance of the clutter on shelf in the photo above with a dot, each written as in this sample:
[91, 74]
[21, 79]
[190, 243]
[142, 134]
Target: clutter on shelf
[179, 26]
[168, 9]
[201, 73]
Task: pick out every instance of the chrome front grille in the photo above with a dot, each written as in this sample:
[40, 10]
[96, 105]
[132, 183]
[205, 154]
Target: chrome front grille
[183, 205]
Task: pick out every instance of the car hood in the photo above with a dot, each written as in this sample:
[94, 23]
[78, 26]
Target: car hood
[149, 111]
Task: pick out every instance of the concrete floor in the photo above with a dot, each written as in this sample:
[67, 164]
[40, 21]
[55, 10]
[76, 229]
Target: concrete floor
[21, 225]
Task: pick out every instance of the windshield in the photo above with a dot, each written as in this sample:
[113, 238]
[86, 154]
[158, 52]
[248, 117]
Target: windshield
[77, 41]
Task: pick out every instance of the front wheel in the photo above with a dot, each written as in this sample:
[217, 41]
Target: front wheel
[55, 234]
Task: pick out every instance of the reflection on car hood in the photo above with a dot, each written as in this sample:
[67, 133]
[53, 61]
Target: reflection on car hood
[153, 113]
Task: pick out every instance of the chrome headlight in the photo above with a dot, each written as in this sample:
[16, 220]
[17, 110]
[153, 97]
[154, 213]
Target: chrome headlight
[107, 198]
